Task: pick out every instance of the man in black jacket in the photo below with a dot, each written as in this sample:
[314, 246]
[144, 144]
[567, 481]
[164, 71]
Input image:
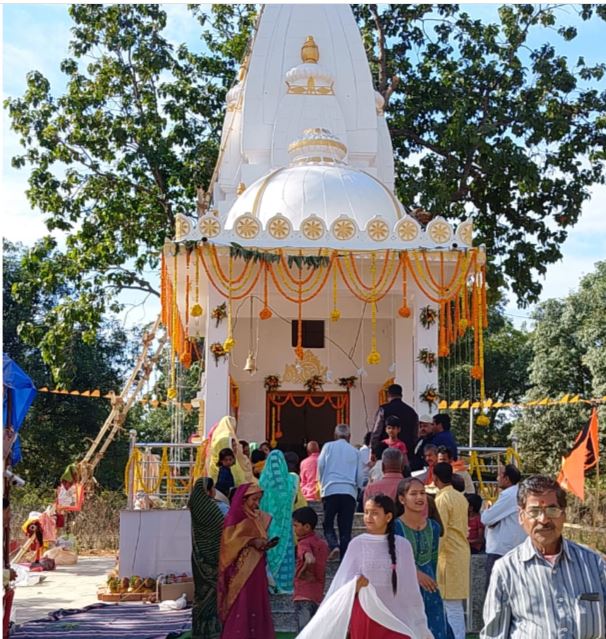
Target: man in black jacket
[409, 420]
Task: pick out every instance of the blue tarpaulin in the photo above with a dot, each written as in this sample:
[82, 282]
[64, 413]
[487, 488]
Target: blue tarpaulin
[18, 394]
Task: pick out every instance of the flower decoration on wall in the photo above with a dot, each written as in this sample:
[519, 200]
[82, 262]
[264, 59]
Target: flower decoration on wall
[430, 396]
[347, 382]
[216, 348]
[427, 358]
[314, 383]
[219, 313]
[272, 383]
[428, 316]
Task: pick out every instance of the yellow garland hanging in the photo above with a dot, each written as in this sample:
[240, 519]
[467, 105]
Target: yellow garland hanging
[229, 342]
[196, 309]
[374, 357]
[171, 392]
[404, 310]
[265, 312]
[335, 315]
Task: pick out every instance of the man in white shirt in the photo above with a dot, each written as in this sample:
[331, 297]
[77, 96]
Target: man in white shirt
[503, 529]
[341, 474]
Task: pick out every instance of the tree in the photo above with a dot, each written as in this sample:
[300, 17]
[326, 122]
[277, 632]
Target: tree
[568, 358]
[513, 132]
[507, 356]
[58, 428]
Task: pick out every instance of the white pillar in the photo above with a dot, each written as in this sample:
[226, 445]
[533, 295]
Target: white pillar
[404, 336]
[216, 394]
[424, 338]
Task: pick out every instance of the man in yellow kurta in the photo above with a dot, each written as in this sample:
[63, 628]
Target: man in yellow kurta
[453, 554]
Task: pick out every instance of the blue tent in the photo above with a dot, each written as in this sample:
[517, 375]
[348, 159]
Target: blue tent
[18, 394]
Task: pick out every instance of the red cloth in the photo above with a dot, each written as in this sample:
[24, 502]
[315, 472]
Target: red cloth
[309, 477]
[309, 584]
[361, 626]
[474, 528]
[7, 603]
[399, 444]
[388, 486]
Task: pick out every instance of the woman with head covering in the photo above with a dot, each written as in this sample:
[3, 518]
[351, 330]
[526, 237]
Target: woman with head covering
[244, 608]
[206, 529]
[279, 492]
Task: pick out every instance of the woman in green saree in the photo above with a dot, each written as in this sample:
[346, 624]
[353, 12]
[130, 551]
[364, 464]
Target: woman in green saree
[206, 529]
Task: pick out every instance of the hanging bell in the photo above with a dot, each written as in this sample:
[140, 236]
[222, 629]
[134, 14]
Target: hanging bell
[251, 365]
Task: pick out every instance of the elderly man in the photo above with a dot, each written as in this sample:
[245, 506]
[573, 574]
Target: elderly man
[547, 587]
[309, 472]
[409, 420]
[341, 473]
[392, 462]
[503, 530]
[459, 468]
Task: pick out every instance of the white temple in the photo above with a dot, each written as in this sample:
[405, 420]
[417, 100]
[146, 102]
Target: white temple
[306, 169]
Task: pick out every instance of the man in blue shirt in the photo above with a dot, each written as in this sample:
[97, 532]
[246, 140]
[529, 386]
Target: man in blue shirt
[441, 435]
[341, 474]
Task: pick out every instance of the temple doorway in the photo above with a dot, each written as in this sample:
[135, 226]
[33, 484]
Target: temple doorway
[295, 418]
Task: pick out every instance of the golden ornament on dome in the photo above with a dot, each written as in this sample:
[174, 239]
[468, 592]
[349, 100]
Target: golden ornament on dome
[378, 230]
[439, 231]
[247, 227]
[343, 229]
[279, 228]
[209, 227]
[312, 229]
[407, 230]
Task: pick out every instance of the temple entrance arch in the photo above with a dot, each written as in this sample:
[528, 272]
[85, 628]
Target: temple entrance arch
[293, 418]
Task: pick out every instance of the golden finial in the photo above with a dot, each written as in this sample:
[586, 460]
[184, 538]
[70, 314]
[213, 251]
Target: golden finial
[310, 51]
[241, 188]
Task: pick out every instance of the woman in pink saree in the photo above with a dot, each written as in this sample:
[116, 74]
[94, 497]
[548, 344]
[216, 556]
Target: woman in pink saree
[243, 595]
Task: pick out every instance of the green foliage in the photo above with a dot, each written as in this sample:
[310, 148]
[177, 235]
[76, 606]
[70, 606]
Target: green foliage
[568, 357]
[507, 356]
[58, 428]
[478, 119]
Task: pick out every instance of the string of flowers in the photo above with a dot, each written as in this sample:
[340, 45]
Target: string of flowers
[219, 313]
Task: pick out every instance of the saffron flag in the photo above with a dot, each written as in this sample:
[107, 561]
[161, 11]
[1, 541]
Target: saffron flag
[584, 456]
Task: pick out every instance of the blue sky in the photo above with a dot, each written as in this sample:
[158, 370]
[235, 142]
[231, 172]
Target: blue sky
[36, 36]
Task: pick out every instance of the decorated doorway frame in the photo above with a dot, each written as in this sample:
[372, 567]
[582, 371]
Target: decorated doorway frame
[275, 400]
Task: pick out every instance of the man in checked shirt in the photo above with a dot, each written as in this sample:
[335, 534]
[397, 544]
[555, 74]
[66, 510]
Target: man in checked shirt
[547, 587]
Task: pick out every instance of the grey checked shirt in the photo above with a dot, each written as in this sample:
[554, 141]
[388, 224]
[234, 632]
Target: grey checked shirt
[528, 598]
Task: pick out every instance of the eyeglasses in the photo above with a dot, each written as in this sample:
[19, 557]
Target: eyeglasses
[552, 512]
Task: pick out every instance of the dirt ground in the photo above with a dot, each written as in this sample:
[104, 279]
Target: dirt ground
[66, 587]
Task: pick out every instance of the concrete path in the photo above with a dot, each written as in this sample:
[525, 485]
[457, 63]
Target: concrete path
[66, 587]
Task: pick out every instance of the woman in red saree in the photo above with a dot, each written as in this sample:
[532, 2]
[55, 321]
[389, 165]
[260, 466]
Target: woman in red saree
[244, 607]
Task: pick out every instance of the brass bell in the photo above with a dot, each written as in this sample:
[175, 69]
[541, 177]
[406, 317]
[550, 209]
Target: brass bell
[251, 365]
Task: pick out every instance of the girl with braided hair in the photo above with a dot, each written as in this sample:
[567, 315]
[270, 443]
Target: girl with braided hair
[374, 594]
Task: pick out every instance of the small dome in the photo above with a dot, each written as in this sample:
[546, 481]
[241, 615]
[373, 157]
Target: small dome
[318, 182]
[309, 77]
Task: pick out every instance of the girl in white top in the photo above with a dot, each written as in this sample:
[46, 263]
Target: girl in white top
[375, 594]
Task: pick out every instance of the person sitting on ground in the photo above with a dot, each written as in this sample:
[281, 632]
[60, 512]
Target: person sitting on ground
[475, 527]
[441, 435]
[257, 459]
[458, 467]
[309, 473]
[225, 479]
[310, 571]
[547, 586]
[392, 428]
[391, 462]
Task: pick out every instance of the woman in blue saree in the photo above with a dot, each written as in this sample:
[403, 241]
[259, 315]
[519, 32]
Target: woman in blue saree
[279, 492]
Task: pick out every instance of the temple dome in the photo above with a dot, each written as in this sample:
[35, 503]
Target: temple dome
[318, 181]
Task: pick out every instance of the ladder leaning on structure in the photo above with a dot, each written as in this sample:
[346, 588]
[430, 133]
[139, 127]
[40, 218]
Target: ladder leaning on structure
[122, 403]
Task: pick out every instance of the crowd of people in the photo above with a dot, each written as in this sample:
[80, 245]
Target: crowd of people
[408, 574]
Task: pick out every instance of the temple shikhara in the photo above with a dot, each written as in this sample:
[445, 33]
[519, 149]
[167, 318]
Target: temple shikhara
[302, 281]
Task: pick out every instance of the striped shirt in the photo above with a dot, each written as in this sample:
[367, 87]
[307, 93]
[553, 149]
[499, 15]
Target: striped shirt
[529, 598]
